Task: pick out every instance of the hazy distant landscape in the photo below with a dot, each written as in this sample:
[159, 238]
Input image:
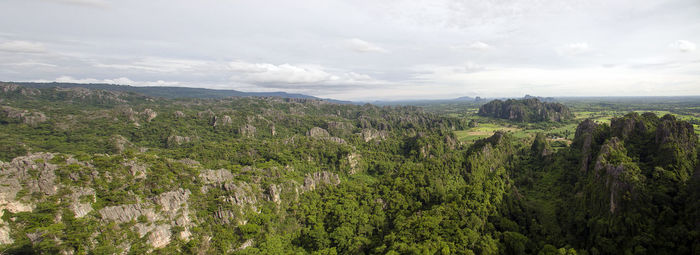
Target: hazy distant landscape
[548, 127]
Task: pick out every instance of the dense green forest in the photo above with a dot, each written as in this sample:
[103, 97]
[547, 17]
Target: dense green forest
[87, 171]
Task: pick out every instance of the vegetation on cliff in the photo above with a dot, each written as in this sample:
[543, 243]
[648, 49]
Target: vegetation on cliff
[98, 172]
[526, 110]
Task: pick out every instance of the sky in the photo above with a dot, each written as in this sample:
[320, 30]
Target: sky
[361, 49]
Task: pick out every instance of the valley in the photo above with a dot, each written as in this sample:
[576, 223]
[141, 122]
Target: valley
[99, 171]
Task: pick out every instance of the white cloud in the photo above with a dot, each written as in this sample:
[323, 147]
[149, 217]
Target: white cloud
[155, 64]
[296, 76]
[683, 45]
[286, 73]
[478, 46]
[573, 49]
[22, 47]
[119, 81]
[364, 46]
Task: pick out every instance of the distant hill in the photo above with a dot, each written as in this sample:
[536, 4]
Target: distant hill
[526, 110]
[172, 92]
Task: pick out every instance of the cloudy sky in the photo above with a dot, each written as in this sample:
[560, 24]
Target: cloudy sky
[360, 49]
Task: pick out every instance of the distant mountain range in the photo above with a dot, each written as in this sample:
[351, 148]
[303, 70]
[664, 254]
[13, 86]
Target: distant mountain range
[173, 92]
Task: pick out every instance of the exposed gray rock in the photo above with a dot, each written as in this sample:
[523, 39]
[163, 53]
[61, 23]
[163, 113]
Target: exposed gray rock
[24, 116]
[149, 114]
[336, 140]
[274, 193]
[243, 193]
[160, 236]
[339, 128]
[126, 213]
[247, 130]
[178, 140]
[317, 179]
[369, 134]
[81, 208]
[222, 121]
[137, 170]
[353, 161]
[34, 170]
[129, 114]
[179, 114]
[216, 176]
[584, 139]
[317, 132]
[246, 244]
[173, 201]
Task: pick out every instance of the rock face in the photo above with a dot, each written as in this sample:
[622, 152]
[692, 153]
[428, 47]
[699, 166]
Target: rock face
[274, 193]
[160, 236]
[223, 121]
[369, 134]
[617, 172]
[172, 201]
[526, 110]
[44, 179]
[128, 113]
[540, 146]
[317, 179]
[174, 140]
[23, 116]
[317, 132]
[158, 225]
[179, 114]
[79, 206]
[21, 90]
[137, 170]
[11, 177]
[583, 140]
[354, 162]
[247, 130]
[216, 176]
[320, 133]
[149, 114]
[339, 128]
[126, 213]
[670, 130]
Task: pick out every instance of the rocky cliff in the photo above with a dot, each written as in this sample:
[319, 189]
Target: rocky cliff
[526, 110]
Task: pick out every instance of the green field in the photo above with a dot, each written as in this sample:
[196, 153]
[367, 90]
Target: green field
[562, 132]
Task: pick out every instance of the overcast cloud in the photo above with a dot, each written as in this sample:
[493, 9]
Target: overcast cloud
[360, 49]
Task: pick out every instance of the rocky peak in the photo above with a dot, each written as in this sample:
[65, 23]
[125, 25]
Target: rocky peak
[583, 139]
[540, 146]
[617, 173]
[671, 130]
[526, 110]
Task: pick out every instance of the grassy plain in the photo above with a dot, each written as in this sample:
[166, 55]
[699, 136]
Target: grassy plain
[562, 132]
